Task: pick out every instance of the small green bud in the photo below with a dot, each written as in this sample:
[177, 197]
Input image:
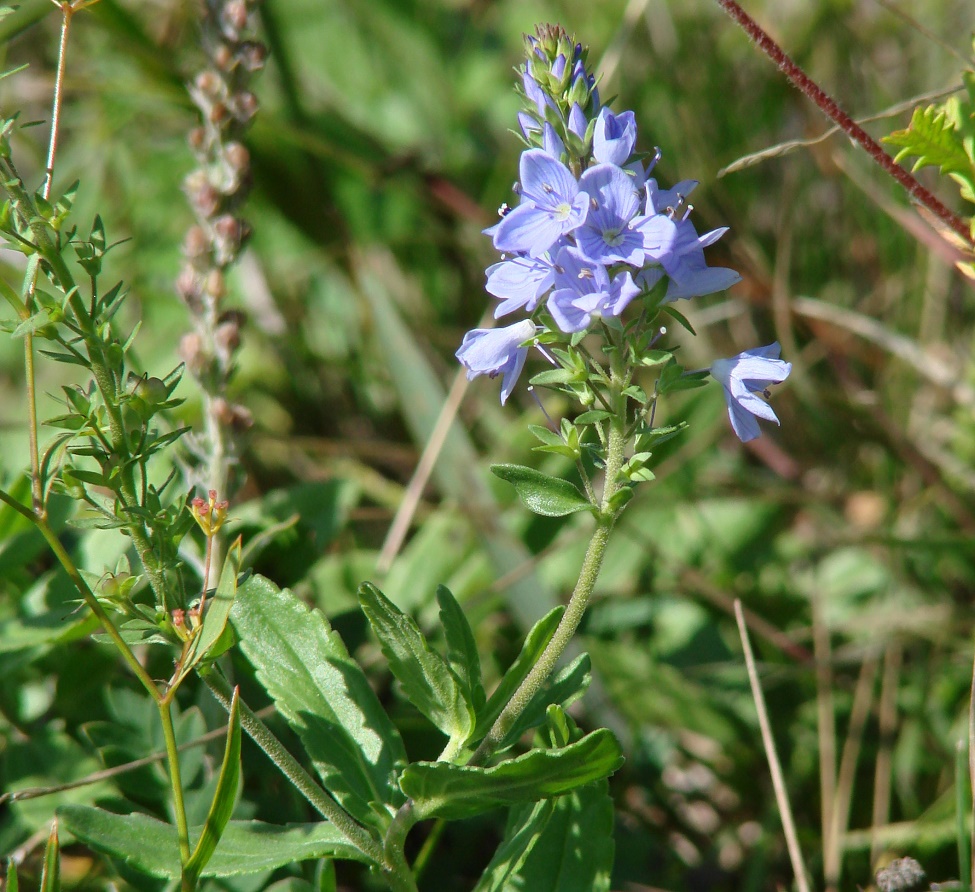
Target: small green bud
[152, 390]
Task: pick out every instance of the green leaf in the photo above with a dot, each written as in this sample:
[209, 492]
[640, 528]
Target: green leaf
[51, 874]
[932, 138]
[555, 376]
[216, 612]
[547, 436]
[152, 847]
[556, 845]
[680, 317]
[428, 681]
[225, 796]
[32, 324]
[567, 687]
[324, 696]
[593, 416]
[548, 496]
[442, 790]
[461, 647]
[535, 642]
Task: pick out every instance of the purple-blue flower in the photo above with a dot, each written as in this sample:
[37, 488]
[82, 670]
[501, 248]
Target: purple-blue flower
[584, 290]
[519, 282]
[614, 138]
[690, 276]
[496, 351]
[552, 206]
[744, 377]
[606, 235]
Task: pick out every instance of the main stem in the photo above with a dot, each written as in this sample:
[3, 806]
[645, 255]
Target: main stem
[172, 759]
[575, 609]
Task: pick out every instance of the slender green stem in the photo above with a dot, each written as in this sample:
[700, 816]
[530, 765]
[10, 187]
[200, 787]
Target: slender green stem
[37, 496]
[429, 844]
[576, 608]
[86, 593]
[292, 769]
[52, 148]
[172, 759]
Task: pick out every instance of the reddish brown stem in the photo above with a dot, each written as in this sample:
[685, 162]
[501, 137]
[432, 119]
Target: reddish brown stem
[832, 111]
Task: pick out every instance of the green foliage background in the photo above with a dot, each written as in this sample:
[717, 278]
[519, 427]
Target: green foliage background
[380, 151]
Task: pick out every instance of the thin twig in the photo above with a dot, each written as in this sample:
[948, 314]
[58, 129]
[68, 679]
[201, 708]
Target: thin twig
[825, 729]
[831, 109]
[840, 818]
[108, 773]
[775, 768]
[421, 476]
[887, 721]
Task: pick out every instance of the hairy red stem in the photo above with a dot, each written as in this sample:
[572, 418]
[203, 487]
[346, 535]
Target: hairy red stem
[832, 111]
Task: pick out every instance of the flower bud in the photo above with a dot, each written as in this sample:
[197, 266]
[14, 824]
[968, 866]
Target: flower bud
[188, 286]
[197, 139]
[252, 55]
[245, 106]
[196, 244]
[233, 17]
[237, 157]
[224, 58]
[215, 285]
[209, 84]
[192, 353]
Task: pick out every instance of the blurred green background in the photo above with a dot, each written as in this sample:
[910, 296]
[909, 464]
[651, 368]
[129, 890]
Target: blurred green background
[382, 147]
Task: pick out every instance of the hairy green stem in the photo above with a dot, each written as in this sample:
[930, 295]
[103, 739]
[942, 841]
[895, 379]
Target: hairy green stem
[172, 759]
[292, 769]
[575, 609]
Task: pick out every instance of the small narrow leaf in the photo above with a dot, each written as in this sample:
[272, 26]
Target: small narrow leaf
[461, 647]
[427, 681]
[13, 882]
[51, 874]
[224, 798]
[548, 496]
[443, 790]
[216, 611]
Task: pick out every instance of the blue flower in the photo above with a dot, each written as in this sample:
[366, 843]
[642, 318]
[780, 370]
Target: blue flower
[519, 282]
[552, 206]
[606, 235]
[614, 138]
[497, 351]
[584, 290]
[744, 377]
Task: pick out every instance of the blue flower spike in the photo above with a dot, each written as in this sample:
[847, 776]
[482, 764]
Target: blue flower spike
[744, 377]
[591, 233]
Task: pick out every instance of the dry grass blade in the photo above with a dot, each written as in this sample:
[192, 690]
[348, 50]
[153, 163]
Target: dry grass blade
[775, 768]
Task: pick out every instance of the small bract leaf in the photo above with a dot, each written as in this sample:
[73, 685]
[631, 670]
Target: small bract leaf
[224, 799]
[548, 496]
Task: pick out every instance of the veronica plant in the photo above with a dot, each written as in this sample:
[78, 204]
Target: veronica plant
[594, 255]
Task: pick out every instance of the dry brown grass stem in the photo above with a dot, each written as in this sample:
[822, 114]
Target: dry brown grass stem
[775, 768]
